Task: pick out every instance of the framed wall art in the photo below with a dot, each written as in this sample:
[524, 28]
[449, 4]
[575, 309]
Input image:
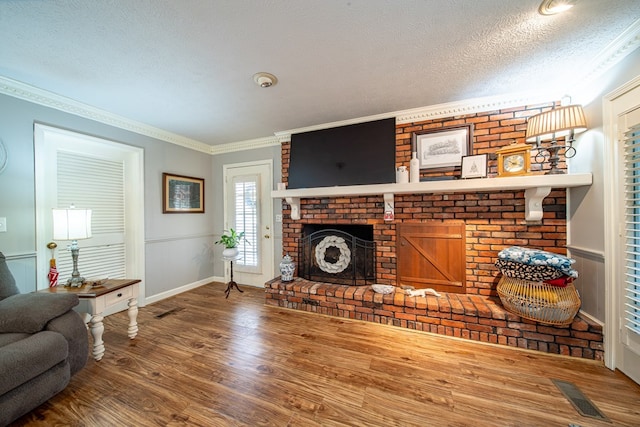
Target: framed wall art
[474, 166]
[182, 194]
[443, 149]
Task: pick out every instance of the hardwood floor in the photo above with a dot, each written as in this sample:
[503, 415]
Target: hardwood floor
[236, 362]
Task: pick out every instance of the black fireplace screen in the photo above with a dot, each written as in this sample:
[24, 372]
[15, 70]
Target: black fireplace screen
[335, 256]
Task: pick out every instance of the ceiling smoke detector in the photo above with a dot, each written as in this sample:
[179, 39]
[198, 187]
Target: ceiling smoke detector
[265, 79]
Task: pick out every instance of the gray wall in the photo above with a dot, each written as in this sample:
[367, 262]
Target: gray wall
[177, 246]
[586, 228]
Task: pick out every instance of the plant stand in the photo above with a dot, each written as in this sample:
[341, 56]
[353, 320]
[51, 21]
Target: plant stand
[232, 284]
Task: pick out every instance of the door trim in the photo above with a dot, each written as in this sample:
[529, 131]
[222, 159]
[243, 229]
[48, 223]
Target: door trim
[134, 202]
[611, 109]
[266, 198]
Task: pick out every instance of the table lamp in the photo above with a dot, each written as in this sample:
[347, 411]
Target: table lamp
[72, 224]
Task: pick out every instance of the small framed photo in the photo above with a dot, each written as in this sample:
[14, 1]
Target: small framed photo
[182, 194]
[474, 166]
[443, 149]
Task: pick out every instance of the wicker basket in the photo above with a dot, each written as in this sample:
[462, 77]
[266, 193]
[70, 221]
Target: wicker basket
[539, 301]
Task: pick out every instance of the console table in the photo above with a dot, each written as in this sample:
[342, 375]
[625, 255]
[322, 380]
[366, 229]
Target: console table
[94, 300]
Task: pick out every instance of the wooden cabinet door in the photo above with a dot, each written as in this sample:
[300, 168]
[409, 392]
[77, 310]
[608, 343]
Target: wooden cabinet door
[432, 255]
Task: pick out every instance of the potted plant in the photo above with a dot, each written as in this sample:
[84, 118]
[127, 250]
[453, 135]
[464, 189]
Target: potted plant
[230, 239]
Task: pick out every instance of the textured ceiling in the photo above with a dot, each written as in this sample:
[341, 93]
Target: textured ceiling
[186, 66]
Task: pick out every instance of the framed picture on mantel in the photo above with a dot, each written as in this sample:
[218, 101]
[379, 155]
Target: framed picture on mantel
[442, 149]
[182, 194]
[474, 166]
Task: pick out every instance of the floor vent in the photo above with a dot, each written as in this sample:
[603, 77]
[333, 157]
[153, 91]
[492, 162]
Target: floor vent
[583, 405]
[166, 313]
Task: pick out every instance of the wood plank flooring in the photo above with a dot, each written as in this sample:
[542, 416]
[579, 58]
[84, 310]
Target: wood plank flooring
[236, 362]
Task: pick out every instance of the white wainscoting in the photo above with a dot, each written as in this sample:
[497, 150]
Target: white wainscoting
[591, 281]
[23, 269]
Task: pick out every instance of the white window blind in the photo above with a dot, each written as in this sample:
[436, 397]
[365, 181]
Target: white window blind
[632, 229]
[96, 184]
[246, 218]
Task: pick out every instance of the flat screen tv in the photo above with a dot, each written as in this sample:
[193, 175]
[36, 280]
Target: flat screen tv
[362, 153]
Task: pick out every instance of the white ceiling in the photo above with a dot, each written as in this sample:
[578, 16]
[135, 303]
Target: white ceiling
[186, 66]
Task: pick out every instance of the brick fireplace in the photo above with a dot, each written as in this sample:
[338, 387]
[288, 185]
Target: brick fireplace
[493, 220]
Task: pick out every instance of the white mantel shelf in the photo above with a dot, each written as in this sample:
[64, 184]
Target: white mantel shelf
[536, 188]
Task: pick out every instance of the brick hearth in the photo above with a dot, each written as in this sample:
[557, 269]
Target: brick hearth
[473, 317]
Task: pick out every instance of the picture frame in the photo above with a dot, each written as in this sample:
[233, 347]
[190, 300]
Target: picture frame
[182, 194]
[442, 149]
[474, 166]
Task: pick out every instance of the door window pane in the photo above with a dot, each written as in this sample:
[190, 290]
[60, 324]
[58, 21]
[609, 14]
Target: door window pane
[246, 218]
[632, 230]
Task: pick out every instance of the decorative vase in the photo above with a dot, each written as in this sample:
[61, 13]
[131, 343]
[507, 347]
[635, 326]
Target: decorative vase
[230, 253]
[287, 267]
[402, 175]
[414, 168]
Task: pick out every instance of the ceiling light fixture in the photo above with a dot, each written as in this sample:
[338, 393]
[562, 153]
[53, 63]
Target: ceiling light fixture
[265, 79]
[552, 7]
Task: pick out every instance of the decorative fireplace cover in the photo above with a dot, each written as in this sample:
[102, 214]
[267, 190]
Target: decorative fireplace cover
[335, 256]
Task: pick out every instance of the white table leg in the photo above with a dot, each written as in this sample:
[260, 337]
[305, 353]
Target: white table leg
[133, 315]
[97, 329]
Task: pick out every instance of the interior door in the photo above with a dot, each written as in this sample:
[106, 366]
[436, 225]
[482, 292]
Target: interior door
[628, 283]
[432, 255]
[248, 209]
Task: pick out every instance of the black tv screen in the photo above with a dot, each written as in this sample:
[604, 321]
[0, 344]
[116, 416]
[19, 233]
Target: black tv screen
[362, 153]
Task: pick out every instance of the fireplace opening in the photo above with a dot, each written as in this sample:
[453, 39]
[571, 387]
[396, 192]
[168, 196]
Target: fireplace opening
[337, 253]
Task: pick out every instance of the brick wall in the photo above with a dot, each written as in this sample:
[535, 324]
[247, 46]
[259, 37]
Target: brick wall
[494, 220]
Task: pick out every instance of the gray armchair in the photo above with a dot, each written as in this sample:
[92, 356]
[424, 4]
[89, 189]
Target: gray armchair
[43, 342]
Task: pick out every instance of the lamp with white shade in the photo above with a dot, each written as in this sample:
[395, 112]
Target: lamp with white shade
[553, 124]
[72, 224]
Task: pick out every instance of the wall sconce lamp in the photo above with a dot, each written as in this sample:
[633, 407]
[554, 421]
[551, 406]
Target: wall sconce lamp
[551, 125]
[72, 224]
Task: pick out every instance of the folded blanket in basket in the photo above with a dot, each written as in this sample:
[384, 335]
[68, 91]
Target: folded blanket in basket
[529, 256]
[535, 273]
[560, 281]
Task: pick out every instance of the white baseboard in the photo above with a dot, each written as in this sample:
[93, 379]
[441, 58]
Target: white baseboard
[159, 297]
[181, 289]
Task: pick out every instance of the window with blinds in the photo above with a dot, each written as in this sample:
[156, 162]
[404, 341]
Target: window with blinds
[632, 229]
[96, 184]
[246, 218]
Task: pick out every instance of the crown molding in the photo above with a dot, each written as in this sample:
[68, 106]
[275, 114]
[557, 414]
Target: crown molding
[251, 144]
[42, 97]
[471, 106]
[615, 52]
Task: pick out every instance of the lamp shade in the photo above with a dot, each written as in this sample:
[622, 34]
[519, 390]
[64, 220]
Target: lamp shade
[556, 123]
[71, 224]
